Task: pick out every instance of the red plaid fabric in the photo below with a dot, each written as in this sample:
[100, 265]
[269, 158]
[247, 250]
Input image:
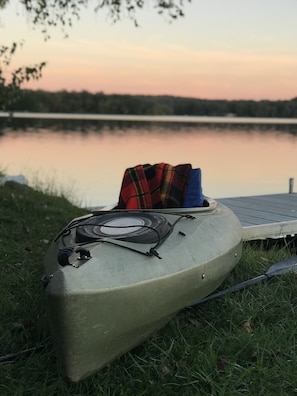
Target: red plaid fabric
[154, 186]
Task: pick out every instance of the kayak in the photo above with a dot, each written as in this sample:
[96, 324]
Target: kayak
[114, 277]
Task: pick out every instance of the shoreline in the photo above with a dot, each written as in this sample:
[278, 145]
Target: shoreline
[151, 118]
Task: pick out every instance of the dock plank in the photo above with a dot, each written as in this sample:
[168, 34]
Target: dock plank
[265, 216]
[255, 210]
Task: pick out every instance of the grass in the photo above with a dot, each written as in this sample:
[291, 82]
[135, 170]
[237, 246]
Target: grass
[240, 344]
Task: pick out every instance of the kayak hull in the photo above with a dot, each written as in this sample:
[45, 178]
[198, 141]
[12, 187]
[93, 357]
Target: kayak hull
[104, 305]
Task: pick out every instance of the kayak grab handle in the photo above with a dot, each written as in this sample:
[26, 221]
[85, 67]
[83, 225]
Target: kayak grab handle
[66, 252]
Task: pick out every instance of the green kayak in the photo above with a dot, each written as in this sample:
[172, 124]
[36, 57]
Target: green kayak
[114, 277]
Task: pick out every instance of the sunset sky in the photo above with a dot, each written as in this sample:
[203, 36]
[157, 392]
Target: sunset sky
[221, 49]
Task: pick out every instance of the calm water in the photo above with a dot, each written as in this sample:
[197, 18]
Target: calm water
[88, 163]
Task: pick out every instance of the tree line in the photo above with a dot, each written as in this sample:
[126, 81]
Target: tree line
[100, 103]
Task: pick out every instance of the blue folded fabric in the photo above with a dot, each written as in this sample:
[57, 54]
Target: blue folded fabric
[194, 196]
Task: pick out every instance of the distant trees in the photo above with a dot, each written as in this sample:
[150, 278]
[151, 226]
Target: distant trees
[99, 103]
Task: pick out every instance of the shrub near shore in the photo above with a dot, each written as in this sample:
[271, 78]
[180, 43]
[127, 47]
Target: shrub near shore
[244, 343]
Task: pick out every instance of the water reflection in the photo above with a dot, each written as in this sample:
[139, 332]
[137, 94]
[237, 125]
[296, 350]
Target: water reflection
[89, 125]
[90, 162]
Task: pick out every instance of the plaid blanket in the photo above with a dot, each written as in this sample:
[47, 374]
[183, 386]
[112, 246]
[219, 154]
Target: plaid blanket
[154, 186]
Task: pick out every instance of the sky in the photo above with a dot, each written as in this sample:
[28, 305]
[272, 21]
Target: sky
[221, 49]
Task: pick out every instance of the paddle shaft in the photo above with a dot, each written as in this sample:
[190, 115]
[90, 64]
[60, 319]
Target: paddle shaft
[234, 288]
[279, 268]
[13, 356]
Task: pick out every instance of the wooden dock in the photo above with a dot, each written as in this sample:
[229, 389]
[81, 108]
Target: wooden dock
[265, 216]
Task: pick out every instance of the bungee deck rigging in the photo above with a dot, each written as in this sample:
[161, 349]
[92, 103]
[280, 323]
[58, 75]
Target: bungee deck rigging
[121, 239]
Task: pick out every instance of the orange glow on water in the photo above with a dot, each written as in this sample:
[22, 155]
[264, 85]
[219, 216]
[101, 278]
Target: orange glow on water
[92, 165]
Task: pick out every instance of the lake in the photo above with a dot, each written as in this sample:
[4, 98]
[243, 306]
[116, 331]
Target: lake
[87, 160]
